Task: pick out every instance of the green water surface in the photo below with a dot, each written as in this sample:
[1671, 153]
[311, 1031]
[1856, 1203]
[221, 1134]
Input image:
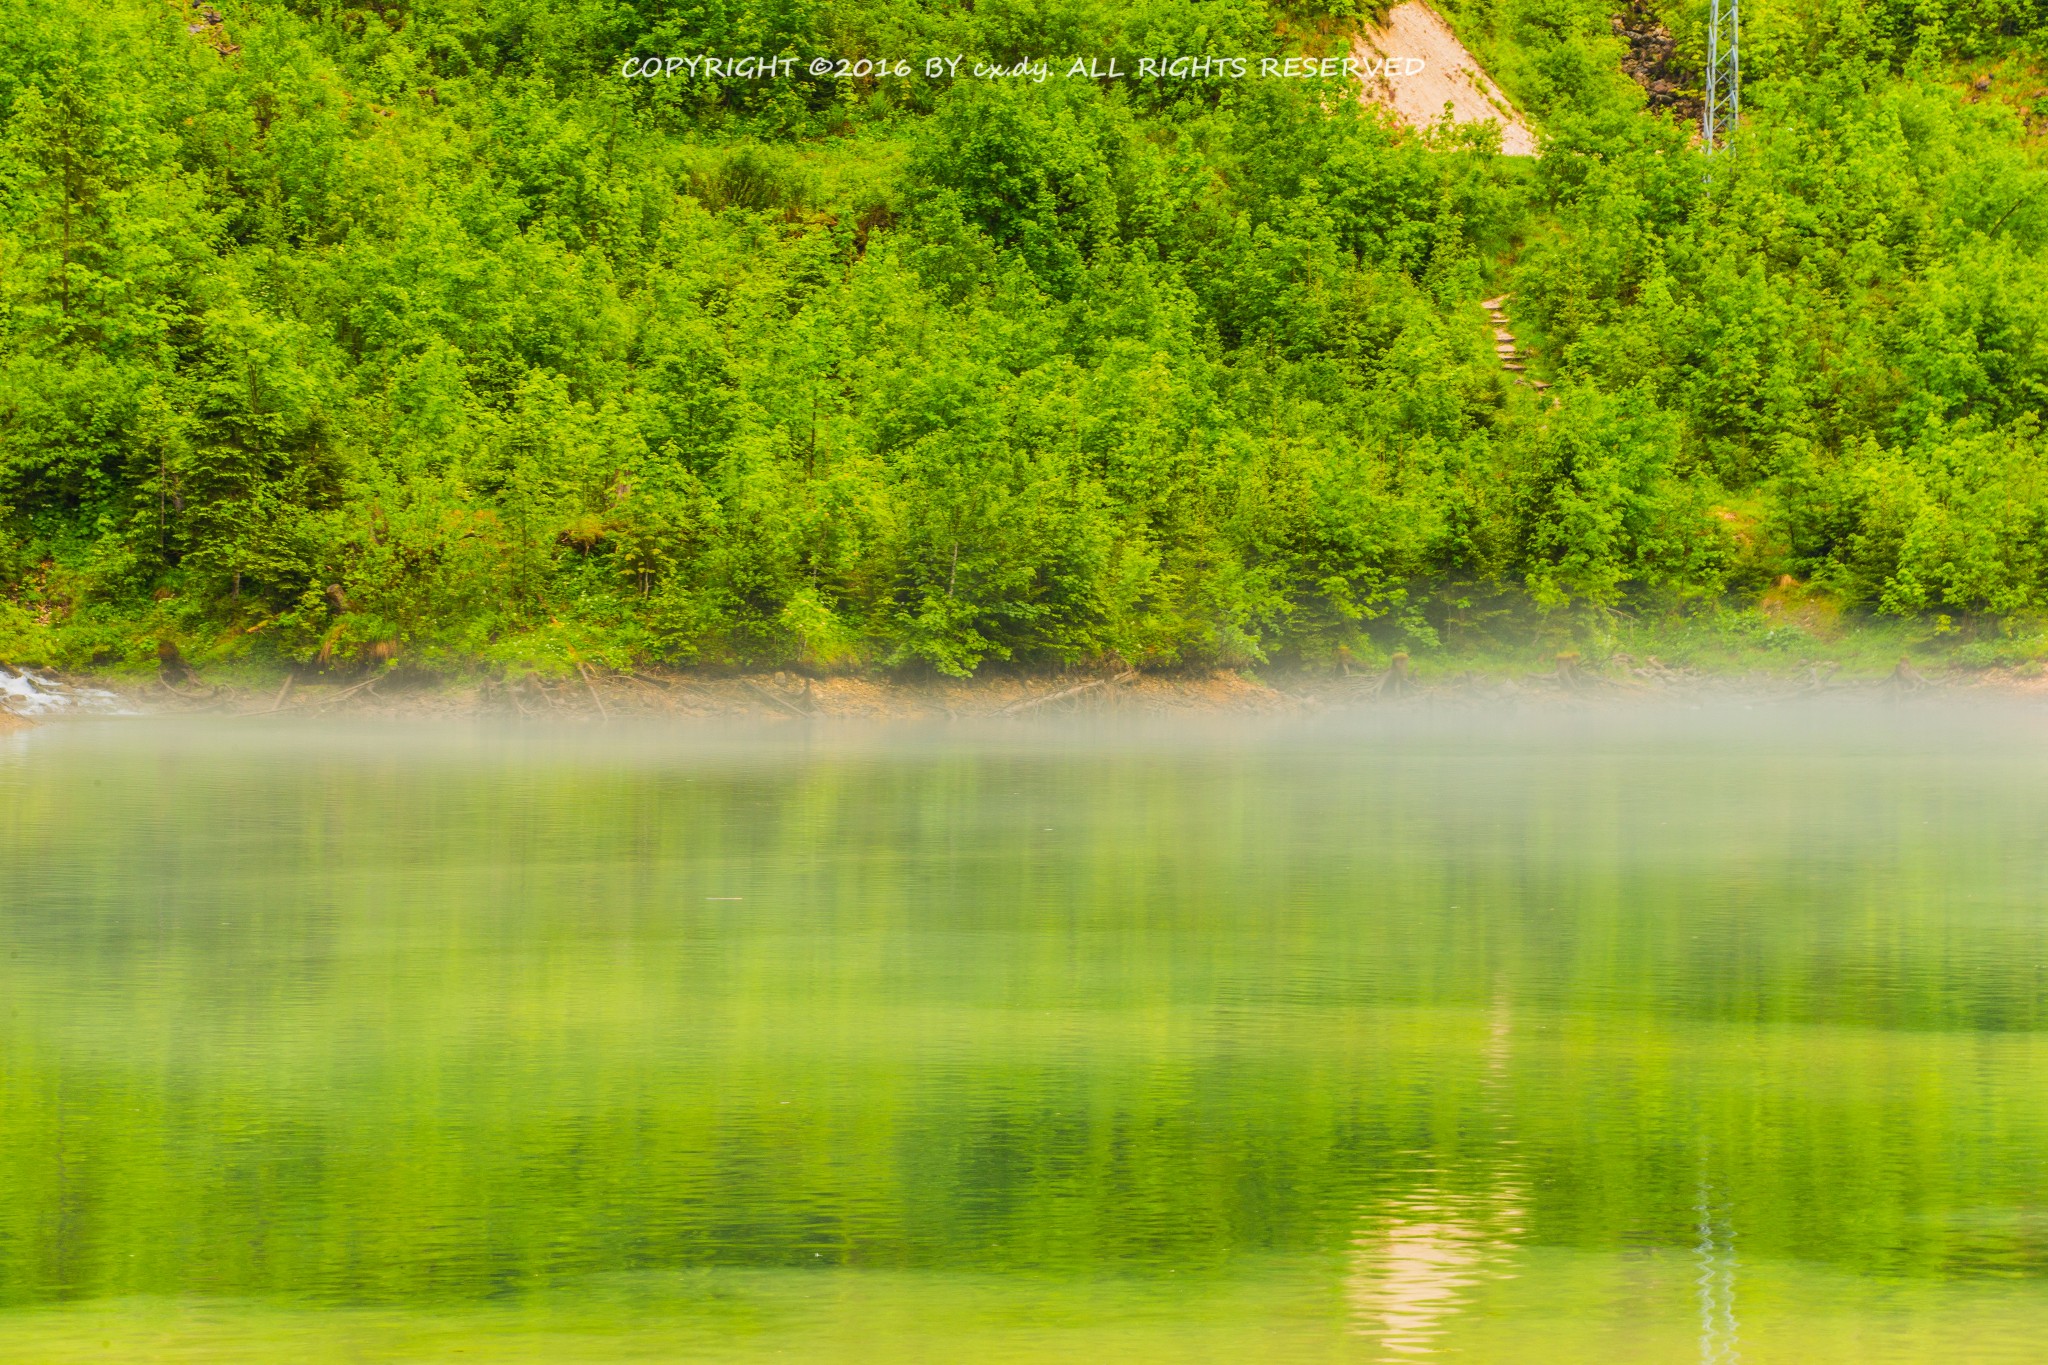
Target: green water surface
[1630, 1036]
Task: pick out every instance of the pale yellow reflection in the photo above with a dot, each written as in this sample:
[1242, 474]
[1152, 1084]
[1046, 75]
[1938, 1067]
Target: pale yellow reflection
[1416, 1269]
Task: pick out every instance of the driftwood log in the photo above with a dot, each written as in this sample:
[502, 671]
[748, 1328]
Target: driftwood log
[1029, 703]
[778, 699]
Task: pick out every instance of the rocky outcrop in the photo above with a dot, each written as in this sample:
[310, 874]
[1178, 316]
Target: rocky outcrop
[1649, 63]
[207, 25]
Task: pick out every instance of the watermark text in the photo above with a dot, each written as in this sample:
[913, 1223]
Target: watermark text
[704, 66]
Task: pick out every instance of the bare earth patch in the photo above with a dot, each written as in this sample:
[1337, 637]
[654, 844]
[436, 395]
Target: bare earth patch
[1448, 75]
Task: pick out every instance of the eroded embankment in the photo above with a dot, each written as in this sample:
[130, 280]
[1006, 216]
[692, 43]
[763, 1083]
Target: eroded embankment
[598, 696]
[1417, 66]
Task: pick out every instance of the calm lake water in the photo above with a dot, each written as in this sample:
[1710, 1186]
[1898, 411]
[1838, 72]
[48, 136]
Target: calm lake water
[1689, 1037]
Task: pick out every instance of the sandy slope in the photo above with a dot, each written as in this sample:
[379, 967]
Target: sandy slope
[1448, 74]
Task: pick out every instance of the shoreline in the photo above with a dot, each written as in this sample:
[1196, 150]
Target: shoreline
[595, 696]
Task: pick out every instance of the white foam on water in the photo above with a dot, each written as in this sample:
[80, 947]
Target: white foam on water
[30, 694]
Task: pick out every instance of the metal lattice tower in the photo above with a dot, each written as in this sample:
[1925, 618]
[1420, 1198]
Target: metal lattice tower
[1724, 75]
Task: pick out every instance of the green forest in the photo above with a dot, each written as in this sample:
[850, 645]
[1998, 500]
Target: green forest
[413, 333]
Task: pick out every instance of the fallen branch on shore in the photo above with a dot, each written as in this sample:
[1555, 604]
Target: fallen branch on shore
[313, 703]
[780, 701]
[1019, 707]
[584, 669]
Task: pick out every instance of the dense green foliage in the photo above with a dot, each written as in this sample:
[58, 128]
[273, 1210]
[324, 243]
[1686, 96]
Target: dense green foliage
[412, 329]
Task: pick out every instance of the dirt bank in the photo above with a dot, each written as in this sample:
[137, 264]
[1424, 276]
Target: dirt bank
[1418, 66]
[597, 697]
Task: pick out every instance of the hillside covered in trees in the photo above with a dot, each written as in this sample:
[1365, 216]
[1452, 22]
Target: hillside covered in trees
[413, 331]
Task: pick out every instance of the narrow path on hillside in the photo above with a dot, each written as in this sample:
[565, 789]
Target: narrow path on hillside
[1512, 358]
